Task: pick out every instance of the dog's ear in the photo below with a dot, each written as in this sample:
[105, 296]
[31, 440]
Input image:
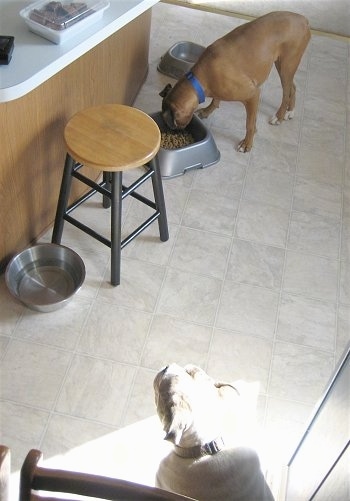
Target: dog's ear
[175, 428]
[166, 90]
[224, 387]
[174, 412]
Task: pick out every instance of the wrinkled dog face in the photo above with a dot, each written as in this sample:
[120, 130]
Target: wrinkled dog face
[177, 106]
[190, 404]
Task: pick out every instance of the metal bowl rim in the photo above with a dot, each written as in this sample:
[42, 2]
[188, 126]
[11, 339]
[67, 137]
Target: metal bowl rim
[38, 305]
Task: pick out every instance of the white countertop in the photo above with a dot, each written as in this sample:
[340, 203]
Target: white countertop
[36, 59]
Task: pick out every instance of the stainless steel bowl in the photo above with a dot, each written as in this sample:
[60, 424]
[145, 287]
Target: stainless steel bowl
[45, 277]
[180, 58]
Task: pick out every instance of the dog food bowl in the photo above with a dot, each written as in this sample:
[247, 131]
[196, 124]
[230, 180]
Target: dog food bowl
[179, 59]
[198, 155]
[45, 277]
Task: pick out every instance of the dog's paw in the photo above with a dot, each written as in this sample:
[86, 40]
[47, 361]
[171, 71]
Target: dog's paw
[289, 115]
[274, 120]
[201, 113]
[243, 147]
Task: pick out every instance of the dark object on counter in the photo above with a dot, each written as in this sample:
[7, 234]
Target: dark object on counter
[58, 16]
[7, 44]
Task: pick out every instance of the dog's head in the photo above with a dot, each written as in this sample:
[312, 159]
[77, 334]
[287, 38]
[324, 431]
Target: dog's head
[190, 404]
[178, 105]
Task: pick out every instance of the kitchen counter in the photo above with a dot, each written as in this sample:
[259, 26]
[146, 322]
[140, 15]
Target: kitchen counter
[42, 87]
[36, 59]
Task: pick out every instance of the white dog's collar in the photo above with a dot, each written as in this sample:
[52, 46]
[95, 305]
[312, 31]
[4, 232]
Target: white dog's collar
[198, 451]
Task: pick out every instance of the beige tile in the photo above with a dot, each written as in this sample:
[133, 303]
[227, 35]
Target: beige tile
[225, 179]
[317, 198]
[284, 155]
[4, 341]
[141, 403]
[263, 223]
[189, 297]
[176, 193]
[10, 310]
[32, 373]
[345, 282]
[139, 287]
[255, 264]
[315, 162]
[173, 340]
[345, 239]
[230, 116]
[307, 321]
[315, 234]
[200, 252]
[286, 421]
[96, 265]
[234, 356]
[148, 246]
[81, 445]
[60, 328]
[103, 385]
[310, 275]
[343, 334]
[248, 309]
[285, 135]
[114, 333]
[22, 429]
[208, 212]
[299, 372]
[267, 186]
[69, 442]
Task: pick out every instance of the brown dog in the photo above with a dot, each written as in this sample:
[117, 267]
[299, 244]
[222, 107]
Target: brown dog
[235, 66]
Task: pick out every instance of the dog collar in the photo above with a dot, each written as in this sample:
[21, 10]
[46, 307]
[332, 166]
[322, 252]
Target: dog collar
[196, 85]
[198, 451]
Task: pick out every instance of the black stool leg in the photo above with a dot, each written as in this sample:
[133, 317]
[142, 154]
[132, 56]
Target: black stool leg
[107, 180]
[116, 223]
[159, 199]
[63, 199]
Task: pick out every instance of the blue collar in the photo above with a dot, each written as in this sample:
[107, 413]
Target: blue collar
[196, 85]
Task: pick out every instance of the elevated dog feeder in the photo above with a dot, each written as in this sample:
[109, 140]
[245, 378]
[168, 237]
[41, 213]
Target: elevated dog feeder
[179, 59]
[198, 155]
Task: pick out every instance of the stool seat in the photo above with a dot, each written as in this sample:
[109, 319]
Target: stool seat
[112, 137]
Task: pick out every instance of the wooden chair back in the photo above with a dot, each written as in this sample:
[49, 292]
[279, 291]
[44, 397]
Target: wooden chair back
[35, 478]
[5, 470]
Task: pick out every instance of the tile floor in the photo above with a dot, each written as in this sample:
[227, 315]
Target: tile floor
[253, 285]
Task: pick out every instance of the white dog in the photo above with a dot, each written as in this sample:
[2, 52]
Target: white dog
[192, 409]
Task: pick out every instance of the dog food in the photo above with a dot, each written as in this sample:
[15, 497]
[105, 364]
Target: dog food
[171, 140]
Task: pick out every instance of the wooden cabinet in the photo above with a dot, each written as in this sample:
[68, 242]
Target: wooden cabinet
[32, 150]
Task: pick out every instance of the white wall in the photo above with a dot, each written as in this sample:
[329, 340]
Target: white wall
[331, 16]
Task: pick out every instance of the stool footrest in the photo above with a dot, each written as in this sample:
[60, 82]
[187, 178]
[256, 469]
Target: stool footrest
[104, 240]
[87, 229]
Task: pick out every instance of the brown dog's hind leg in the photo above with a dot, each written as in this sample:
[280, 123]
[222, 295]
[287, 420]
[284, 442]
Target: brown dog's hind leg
[286, 67]
[205, 112]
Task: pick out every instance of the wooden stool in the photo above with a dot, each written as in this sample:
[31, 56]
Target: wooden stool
[111, 138]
